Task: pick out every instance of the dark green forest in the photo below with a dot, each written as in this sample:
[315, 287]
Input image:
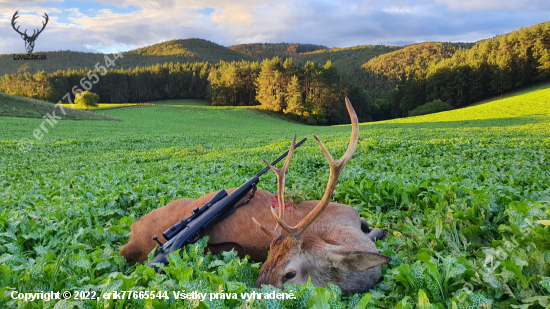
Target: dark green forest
[140, 84]
[389, 69]
[312, 93]
[382, 82]
[348, 61]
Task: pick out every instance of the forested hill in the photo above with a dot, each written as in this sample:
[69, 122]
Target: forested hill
[192, 50]
[392, 67]
[270, 50]
[182, 51]
[458, 75]
[348, 60]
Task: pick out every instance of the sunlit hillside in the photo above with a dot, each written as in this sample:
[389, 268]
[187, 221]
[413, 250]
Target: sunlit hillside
[15, 106]
[532, 103]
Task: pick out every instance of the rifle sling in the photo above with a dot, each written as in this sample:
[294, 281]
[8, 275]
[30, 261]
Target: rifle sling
[247, 200]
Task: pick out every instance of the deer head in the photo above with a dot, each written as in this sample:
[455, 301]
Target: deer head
[29, 40]
[296, 256]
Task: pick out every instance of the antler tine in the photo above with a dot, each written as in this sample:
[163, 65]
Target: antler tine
[263, 229]
[280, 173]
[336, 168]
[47, 19]
[13, 22]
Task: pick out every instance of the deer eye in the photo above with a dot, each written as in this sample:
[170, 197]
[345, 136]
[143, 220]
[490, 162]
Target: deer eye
[290, 275]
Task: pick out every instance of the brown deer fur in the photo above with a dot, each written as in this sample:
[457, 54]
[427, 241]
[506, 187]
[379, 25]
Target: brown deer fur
[238, 229]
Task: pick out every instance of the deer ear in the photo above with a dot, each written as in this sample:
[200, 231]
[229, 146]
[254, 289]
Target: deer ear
[357, 261]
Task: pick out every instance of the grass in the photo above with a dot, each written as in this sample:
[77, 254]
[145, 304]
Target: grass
[99, 106]
[462, 196]
[534, 103]
[521, 91]
[106, 106]
[14, 106]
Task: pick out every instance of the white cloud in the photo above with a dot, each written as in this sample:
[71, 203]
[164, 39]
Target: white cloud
[414, 10]
[74, 14]
[474, 5]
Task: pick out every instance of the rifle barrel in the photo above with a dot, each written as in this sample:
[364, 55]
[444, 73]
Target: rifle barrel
[265, 169]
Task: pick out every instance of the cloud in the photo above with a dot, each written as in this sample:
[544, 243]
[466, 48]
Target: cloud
[28, 1]
[408, 10]
[475, 5]
[114, 25]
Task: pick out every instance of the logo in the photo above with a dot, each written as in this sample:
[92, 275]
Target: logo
[29, 40]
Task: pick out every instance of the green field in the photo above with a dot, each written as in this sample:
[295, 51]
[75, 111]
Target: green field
[462, 196]
[14, 106]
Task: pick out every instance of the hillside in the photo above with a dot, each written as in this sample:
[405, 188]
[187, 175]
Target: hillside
[389, 68]
[270, 50]
[348, 60]
[190, 50]
[15, 106]
[182, 51]
[529, 105]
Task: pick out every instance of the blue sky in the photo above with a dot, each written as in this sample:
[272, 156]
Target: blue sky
[119, 25]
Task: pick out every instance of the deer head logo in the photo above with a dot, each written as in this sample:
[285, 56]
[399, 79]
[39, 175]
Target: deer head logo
[29, 40]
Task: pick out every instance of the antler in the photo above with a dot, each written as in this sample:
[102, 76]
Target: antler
[336, 168]
[34, 33]
[44, 23]
[13, 23]
[280, 192]
[43, 26]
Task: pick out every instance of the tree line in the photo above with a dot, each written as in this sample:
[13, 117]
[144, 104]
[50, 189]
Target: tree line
[271, 50]
[312, 93]
[140, 84]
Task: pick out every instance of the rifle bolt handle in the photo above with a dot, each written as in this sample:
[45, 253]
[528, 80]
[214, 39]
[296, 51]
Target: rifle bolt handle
[195, 210]
[155, 238]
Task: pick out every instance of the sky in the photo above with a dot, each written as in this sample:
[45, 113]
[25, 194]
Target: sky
[119, 25]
